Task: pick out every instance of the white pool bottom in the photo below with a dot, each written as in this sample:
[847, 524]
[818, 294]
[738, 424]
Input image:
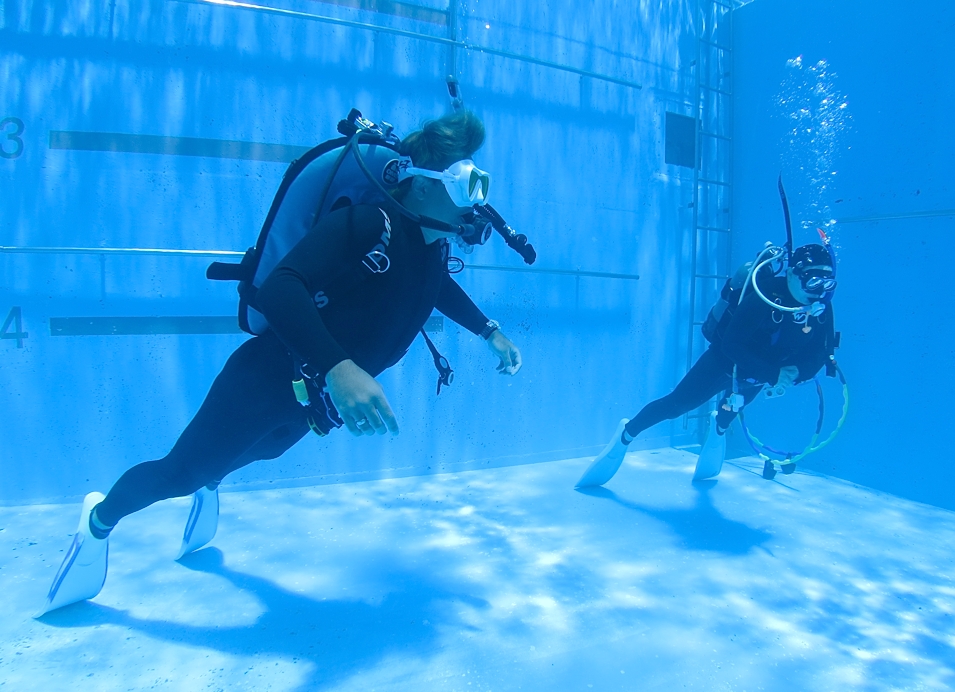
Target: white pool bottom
[502, 579]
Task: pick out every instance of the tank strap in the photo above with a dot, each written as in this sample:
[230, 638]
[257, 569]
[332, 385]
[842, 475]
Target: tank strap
[230, 271]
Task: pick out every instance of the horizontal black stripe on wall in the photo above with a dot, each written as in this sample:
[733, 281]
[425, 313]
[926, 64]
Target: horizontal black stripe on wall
[127, 326]
[174, 146]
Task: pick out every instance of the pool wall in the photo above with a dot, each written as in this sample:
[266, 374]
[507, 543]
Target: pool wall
[168, 125]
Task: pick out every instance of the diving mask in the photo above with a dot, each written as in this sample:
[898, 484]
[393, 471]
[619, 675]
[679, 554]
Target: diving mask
[466, 184]
[817, 281]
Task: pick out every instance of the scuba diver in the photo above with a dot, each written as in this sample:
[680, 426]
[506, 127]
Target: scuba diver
[771, 329]
[337, 306]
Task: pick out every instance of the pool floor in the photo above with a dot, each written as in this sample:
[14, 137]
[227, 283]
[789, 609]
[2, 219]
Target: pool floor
[502, 579]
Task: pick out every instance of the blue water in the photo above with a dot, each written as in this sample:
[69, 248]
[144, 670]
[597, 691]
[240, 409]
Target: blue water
[458, 556]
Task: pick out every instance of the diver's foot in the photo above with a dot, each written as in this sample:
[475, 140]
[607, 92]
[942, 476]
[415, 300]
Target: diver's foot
[203, 521]
[605, 465]
[83, 572]
[710, 462]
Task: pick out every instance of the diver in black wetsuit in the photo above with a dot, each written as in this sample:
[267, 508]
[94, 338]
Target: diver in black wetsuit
[340, 340]
[758, 342]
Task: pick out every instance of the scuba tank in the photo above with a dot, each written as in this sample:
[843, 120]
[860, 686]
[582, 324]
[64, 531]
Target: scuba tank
[723, 309]
[320, 181]
[726, 304]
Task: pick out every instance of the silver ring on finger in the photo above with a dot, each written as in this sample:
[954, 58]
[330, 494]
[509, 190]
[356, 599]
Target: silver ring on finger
[361, 421]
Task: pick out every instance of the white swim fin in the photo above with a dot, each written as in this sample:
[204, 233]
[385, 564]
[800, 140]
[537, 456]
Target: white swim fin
[83, 572]
[605, 465]
[203, 521]
[710, 462]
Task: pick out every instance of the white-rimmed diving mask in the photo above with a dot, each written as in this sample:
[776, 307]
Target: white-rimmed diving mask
[466, 184]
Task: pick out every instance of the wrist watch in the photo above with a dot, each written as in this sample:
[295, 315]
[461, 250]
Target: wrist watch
[489, 328]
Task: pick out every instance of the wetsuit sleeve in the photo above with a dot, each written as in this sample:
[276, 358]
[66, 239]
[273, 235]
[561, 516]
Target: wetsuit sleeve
[286, 298]
[456, 305]
[742, 336]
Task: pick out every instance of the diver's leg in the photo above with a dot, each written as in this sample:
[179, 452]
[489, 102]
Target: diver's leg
[203, 520]
[713, 453]
[725, 415]
[250, 398]
[272, 446]
[706, 378]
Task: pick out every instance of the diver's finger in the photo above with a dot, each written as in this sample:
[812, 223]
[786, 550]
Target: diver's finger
[363, 425]
[387, 415]
[507, 357]
[517, 362]
[351, 422]
[374, 424]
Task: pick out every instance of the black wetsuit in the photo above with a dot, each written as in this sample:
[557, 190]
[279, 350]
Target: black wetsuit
[251, 412]
[759, 341]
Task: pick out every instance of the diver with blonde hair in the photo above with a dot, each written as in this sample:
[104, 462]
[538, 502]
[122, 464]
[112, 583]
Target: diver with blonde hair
[343, 305]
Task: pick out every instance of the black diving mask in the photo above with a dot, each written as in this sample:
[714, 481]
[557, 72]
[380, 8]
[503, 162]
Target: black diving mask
[817, 282]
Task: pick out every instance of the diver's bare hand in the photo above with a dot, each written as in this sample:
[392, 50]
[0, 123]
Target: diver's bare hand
[360, 400]
[504, 349]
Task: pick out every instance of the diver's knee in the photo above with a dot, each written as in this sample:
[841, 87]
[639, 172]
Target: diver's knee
[182, 481]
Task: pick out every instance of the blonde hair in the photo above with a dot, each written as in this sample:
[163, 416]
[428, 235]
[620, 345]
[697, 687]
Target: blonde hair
[442, 142]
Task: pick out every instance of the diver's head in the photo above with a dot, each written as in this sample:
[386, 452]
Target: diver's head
[449, 195]
[442, 181]
[811, 276]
